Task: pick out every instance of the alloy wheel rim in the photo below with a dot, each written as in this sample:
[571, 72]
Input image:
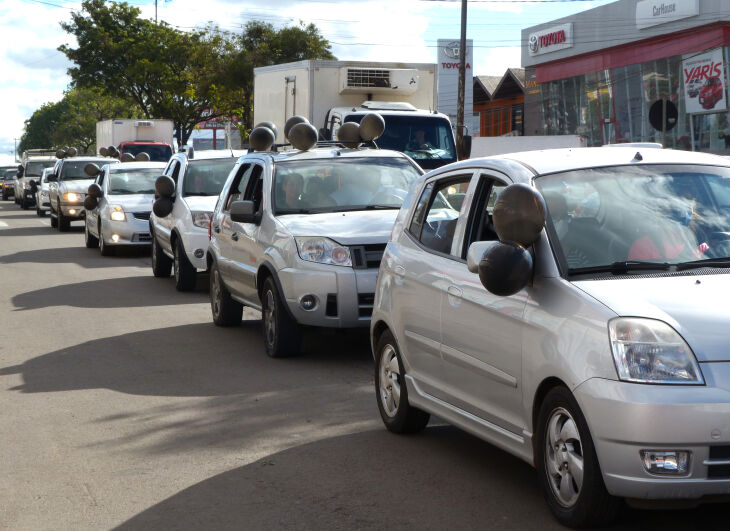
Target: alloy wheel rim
[389, 381]
[270, 318]
[564, 457]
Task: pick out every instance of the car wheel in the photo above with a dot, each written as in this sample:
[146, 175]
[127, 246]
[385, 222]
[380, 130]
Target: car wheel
[568, 467]
[54, 220]
[104, 249]
[226, 311]
[63, 223]
[24, 204]
[161, 263]
[5, 196]
[390, 386]
[90, 240]
[282, 334]
[183, 269]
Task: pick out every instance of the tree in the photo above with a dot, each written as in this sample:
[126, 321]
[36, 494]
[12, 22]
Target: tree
[168, 73]
[82, 108]
[38, 133]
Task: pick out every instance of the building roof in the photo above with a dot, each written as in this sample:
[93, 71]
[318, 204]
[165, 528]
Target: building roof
[509, 85]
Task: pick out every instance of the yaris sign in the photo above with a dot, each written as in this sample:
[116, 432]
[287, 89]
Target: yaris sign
[704, 82]
[550, 39]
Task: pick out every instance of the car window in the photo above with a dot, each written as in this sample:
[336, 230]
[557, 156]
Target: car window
[255, 187]
[439, 224]
[206, 177]
[74, 170]
[420, 212]
[238, 184]
[481, 224]
[173, 170]
[35, 168]
[128, 182]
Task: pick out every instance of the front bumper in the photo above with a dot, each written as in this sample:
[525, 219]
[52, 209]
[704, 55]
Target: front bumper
[43, 202]
[73, 210]
[625, 418]
[8, 189]
[132, 231]
[196, 240]
[344, 295]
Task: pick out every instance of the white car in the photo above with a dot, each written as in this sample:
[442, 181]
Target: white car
[67, 189]
[300, 234]
[179, 222]
[119, 204]
[42, 200]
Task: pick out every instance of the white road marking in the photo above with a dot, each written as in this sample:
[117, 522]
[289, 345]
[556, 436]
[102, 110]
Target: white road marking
[3, 224]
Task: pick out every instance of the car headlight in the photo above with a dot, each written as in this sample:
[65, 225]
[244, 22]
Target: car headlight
[651, 351]
[73, 197]
[116, 213]
[202, 219]
[323, 251]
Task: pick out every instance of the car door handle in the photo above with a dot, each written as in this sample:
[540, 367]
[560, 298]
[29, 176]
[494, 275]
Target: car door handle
[216, 228]
[234, 236]
[454, 291]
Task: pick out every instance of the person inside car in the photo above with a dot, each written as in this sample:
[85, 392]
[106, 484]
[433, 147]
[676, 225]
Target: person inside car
[290, 191]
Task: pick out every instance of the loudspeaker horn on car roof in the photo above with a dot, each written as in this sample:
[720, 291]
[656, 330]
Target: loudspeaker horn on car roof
[261, 139]
[103, 151]
[372, 126]
[142, 157]
[291, 122]
[127, 157]
[271, 126]
[349, 135]
[303, 136]
[92, 170]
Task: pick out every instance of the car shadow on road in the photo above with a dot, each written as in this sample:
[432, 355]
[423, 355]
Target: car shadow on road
[126, 292]
[199, 360]
[440, 479]
[87, 258]
[26, 231]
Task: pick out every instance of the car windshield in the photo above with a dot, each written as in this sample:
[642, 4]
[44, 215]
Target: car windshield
[338, 185]
[74, 170]
[35, 168]
[128, 181]
[660, 214]
[157, 153]
[10, 175]
[207, 176]
[426, 139]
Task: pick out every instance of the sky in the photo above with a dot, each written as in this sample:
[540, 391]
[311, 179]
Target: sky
[33, 72]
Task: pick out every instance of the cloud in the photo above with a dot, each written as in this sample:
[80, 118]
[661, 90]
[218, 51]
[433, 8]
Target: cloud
[495, 61]
[39, 59]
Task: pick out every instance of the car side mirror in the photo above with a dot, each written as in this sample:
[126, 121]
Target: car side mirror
[244, 212]
[505, 268]
[164, 186]
[465, 146]
[90, 202]
[51, 177]
[95, 191]
[162, 206]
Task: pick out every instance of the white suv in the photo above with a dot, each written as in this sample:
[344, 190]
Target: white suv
[181, 214]
[300, 234]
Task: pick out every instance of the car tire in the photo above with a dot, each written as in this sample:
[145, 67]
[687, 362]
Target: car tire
[183, 269]
[24, 204]
[54, 220]
[104, 248]
[63, 223]
[225, 310]
[161, 263]
[5, 196]
[90, 240]
[282, 334]
[568, 469]
[398, 415]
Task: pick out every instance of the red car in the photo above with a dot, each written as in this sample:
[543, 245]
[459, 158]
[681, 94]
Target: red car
[711, 92]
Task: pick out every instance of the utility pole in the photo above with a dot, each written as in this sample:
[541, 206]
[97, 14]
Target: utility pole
[462, 83]
[155, 11]
[15, 149]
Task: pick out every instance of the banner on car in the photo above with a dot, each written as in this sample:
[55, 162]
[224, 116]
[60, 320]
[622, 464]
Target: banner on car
[704, 82]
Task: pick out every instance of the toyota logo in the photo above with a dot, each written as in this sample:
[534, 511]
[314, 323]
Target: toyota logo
[451, 50]
[533, 44]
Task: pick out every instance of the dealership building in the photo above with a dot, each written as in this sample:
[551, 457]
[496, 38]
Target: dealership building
[598, 74]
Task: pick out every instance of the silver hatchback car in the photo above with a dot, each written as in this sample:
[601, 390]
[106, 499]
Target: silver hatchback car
[568, 306]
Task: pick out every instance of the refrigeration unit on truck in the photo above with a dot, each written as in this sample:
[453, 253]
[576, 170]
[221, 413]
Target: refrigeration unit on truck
[330, 93]
[153, 137]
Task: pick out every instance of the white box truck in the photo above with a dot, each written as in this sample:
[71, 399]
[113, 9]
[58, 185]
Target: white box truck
[330, 93]
[153, 137]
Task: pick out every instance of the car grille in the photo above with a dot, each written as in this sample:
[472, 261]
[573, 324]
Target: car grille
[367, 256]
[365, 303]
[142, 237]
[142, 215]
[721, 467]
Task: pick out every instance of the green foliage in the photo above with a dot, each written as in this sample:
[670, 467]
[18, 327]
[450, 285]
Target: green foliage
[72, 121]
[40, 126]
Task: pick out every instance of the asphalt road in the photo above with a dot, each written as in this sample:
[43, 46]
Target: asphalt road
[122, 405]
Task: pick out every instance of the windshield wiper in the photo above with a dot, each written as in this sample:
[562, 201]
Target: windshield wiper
[199, 194]
[284, 211]
[620, 268]
[706, 262]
